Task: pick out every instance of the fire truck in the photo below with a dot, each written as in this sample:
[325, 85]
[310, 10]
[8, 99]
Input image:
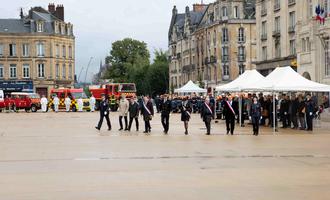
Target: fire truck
[113, 91]
[74, 95]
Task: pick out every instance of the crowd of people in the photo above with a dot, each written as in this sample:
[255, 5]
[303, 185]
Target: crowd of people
[293, 111]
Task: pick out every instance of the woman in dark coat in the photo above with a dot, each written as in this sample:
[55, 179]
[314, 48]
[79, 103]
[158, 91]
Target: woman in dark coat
[186, 109]
[255, 114]
[147, 111]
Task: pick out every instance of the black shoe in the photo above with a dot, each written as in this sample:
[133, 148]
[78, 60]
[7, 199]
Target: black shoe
[186, 132]
[145, 131]
[97, 128]
[109, 129]
[120, 129]
[231, 133]
[207, 134]
[126, 129]
[227, 132]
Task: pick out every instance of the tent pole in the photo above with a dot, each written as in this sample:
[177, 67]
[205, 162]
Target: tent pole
[240, 111]
[274, 114]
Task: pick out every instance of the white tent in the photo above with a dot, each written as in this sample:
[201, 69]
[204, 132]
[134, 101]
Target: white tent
[248, 77]
[190, 87]
[285, 79]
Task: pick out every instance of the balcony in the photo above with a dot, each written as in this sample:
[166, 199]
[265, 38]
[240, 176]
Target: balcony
[291, 2]
[225, 58]
[225, 77]
[241, 39]
[263, 12]
[291, 29]
[264, 36]
[277, 33]
[241, 58]
[213, 59]
[277, 7]
[174, 71]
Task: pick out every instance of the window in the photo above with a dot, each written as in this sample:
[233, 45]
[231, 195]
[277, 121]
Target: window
[40, 26]
[241, 51]
[224, 12]
[63, 51]
[26, 71]
[57, 51]
[277, 49]
[1, 49]
[277, 24]
[1, 71]
[327, 57]
[308, 44]
[12, 70]
[70, 52]
[292, 20]
[264, 53]
[57, 70]
[292, 47]
[25, 50]
[241, 69]
[303, 44]
[70, 71]
[12, 49]
[225, 35]
[62, 29]
[225, 56]
[40, 49]
[41, 70]
[226, 70]
[263, 8]
[241, 36]
[63, 71]
[264, 30]
[236, 12]
[277, 5]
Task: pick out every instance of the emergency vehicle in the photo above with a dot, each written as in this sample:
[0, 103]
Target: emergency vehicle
[73, 94]
[113, 91]
[2, 100]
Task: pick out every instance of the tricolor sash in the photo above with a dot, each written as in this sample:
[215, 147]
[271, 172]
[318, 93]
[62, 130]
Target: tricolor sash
[231, 108]
[145, 107]
[208, 107]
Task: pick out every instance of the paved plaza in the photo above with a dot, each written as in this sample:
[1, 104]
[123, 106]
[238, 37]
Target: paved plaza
[62, 157]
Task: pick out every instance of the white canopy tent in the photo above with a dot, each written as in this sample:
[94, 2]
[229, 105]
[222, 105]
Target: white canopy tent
[248, 77]
[190, 87]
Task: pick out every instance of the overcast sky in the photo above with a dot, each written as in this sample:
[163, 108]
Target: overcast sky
[98, 23]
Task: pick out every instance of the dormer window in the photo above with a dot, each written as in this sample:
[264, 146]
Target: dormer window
[40, 26]
[63, 29]
[56, 27]
[224, 12]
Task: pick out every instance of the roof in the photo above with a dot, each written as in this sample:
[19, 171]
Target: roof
[14, 26]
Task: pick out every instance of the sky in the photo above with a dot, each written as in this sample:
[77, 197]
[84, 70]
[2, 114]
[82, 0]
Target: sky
[98, 23]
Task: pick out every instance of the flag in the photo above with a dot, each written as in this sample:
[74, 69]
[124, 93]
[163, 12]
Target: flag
[322, 16]
[317, 12]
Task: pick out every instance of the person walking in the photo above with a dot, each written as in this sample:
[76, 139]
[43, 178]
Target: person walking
[80, 104]
[294, 112]
[186, 109]
[56, 102]
[309, 112]
[104, 113]
[67, 103]
[123, 112]
[207, 115]
[255, 115]
[133, 114]
[147, 111]
[230, 111]
[165, 109]
[301, 112]
[44, 103]
[92, 102]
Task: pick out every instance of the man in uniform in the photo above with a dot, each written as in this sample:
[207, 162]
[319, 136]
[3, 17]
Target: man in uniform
[104, 113]
[67, 103]
[56, 102]
[44, 103]
[92, 102]
[80, 103]
[230, 111]
[165, 109]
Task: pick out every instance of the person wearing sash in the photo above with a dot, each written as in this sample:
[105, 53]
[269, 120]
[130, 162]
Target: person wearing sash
[207, 115]
[186, 109]
[165, 109]
[147, 111]
[230, 111]
[255, 115]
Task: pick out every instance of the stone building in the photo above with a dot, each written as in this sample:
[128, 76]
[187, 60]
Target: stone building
[37, 51]
[289, 35]
[216, 44]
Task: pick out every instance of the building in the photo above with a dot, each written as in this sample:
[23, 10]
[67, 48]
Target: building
[213, 43]
[37, 51]
[289, 35]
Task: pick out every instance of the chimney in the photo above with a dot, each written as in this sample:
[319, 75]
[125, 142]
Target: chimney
[21, 14]
[51, 8]
[187, 9]
[59, 13]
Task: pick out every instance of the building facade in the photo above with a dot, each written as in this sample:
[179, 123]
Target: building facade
[289, 35]
[216, 42]
[37, 51]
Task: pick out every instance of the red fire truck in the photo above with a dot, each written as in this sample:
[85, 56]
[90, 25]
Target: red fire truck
[113, 91]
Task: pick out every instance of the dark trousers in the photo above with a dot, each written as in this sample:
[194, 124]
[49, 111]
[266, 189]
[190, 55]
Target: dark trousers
[165, 118]
[207, 121]
[309, 121]
[147, 127]
[131, 122]
[121, 121]
[101, 120]
[230, 124]
[286, 120]
[294, 119]
[255, 124]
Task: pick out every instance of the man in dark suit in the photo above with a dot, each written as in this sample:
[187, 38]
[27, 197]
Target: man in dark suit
[104, 113]
[309, 112]
[230, 111]
[207, 115]
[147, 112]
[165, 109]
[133, 114]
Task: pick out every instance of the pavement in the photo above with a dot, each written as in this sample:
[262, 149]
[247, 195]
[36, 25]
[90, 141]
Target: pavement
[49, 156]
